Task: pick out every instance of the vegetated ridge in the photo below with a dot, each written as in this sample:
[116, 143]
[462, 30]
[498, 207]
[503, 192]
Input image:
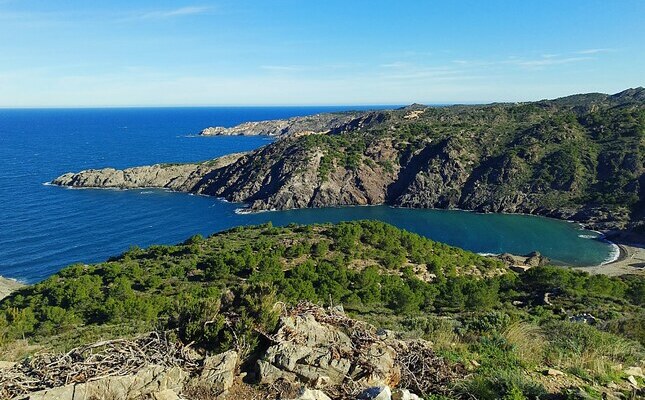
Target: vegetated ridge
[580, 157]
[227, 318]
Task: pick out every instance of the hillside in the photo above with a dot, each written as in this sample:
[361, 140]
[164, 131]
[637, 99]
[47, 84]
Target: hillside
[474, 327]
[580, 157]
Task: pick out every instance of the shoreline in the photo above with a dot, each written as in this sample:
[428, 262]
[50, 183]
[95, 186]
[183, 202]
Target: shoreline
[627, 256]
[630, 260]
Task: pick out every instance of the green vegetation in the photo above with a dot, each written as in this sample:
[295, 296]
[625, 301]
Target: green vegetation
[583, 151]
[220, 292]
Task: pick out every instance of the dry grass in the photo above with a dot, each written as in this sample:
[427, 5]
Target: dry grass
[590, 353]
[528, 342]
[17, 350]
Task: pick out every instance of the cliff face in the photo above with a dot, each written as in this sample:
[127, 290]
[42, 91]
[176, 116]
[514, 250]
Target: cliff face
[581, 157]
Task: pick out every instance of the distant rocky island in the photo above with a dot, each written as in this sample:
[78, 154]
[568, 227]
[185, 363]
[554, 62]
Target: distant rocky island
[318, 123]
[580, 158]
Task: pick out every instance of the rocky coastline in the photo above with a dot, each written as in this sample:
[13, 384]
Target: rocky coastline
[425, 157]
[8, 286]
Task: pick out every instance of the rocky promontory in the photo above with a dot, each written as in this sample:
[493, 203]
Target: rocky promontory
[579, 157]
[177, 177]
[318, 123]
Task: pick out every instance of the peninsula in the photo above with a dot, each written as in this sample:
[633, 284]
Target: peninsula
[579, 158]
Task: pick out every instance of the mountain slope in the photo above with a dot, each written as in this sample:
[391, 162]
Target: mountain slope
[580, 157]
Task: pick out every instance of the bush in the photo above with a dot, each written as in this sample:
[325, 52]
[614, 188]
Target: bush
[502, 384]
[580, 346]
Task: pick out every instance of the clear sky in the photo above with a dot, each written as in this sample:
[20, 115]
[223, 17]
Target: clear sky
[287, 52]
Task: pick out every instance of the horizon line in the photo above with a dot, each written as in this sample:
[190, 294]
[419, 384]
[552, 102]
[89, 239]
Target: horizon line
[261, 105]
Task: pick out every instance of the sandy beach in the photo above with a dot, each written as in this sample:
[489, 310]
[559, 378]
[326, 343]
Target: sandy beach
[630, 261]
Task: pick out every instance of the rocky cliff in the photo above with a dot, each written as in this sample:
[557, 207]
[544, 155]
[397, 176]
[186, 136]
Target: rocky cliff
[580, 157]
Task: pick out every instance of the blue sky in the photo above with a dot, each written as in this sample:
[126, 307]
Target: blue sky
[285, 52]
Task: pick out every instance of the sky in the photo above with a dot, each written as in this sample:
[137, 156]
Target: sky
[69, 53]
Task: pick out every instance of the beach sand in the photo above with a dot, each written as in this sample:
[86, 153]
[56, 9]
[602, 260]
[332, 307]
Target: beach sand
[630, 261]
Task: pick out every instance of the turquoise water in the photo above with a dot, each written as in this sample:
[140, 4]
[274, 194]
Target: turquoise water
[44, 228]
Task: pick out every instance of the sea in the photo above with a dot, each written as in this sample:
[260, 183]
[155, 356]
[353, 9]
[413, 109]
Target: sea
[44, 228]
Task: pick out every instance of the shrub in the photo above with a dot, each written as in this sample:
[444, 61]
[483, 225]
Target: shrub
[501, 384]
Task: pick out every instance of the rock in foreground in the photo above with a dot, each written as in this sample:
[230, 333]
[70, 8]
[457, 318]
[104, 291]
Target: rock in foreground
[316, 352]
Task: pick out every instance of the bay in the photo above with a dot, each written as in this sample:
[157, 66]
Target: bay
[44, 228]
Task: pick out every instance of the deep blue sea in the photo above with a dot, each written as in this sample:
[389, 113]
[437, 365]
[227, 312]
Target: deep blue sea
[44, 228]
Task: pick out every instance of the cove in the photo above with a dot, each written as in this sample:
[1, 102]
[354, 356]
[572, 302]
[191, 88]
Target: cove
[45, 228]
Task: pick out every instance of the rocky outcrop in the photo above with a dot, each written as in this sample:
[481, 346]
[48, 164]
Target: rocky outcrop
[318, 123]
[322, 355]
[314, 354]
[286, 176]
[8, 286]
[218, 372]
[153, 381]
[311, 394]
[177, 177]
[324, 349]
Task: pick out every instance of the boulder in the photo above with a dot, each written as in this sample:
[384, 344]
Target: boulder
[636, 371]
[404, 394]
[632, 381]
[553, 372]
[219, 370]
[147, 382]
[535, 259]
[306, 350]
[376, 393]
[167, 394]
[322, 355]
[310, 394]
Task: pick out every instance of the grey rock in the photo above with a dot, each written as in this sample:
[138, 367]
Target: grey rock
[310, 394]
[6, 365]
[8, 286]
[146, 382]
[167, 394]
[321, 355]
[535, 259]
[219, 370]
[308, 358]
[636, 371]
[553, 372]
[376, 393]
[177, 177]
